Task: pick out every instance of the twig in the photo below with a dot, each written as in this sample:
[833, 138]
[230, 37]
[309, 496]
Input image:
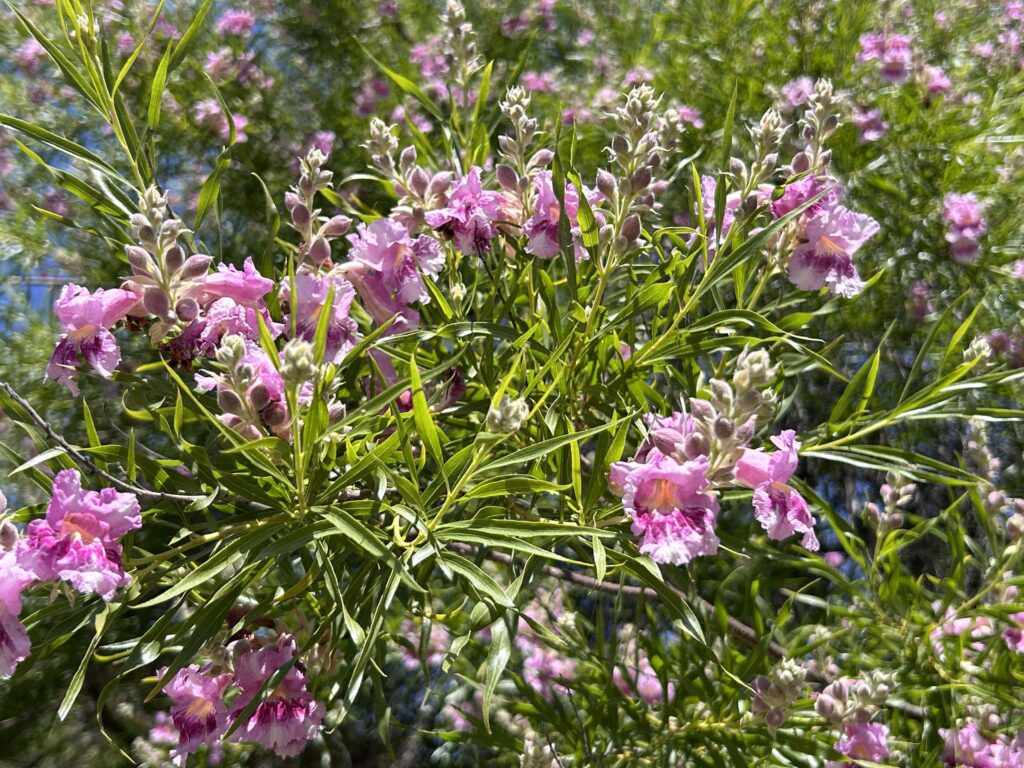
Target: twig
[736, 627]
[84, 461]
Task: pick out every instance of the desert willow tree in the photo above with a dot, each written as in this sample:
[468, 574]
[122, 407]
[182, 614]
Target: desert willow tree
[511, 426]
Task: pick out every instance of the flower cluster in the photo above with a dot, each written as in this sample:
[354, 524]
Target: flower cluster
[775, 693]
[893, 53]
[850, 704]
[965, 224]
[970, 747]
[285, 719]
[668, 488]
[77, 542]
[634, 674]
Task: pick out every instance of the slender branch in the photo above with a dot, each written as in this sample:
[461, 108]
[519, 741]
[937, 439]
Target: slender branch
[81, 459]
[737, 628]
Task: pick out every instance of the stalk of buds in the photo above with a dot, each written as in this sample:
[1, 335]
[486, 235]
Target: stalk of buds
[516, 173]
[316, 231]
[460, 47]
[775, 693]
[855, 700]
[160, 270]
[729, 418]
[819, 122]
[240, 395]
[766, 136]
[638, 149]
[419, 189]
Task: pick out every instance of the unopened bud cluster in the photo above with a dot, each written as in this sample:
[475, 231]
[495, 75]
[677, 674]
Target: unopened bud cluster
[897, 494]
[515, 175]
[820, 120]
[316, 231]
[247, 403]
[855, 700]
[766, 136]
[508, 416]
[728, 419]
[420, 190]
[775, 693]
[161, 272]
[460, 45]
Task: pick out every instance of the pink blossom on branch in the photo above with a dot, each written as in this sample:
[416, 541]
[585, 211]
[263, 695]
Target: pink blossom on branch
[824, 256]
[78, 541]
[288, 716]
[199, 713]
[14, 640]
[87, 318]
[780, 509]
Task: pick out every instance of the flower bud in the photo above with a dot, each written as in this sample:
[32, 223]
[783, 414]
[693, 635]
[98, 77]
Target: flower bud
[801, 163]
[174, 258]
[229, 402]
[640, 179]
[631, 228]
[439, 184]
[541, 158]
[319, 250]
[291, 200]
[259, 396]
[195, 266]
[155, 301]
[419, 181]
[696, 445]
[300, 215]
[508, 416]
[407, 158]
[606, 183]
[275, 415]
[724, 427]
[8, 535]
[139, 260]
[721, 394]
[666, 440]
[825, 705]
[702, 409]
[187, 309]
[507, 177]
[337, 225]
[774, 718]
[1015, 526]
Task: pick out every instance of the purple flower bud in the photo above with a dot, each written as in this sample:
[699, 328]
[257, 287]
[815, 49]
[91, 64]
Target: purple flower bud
[630, 228]
[300, 215]
[174, 258]
[801, 163]
[774, 718]
[440, 183]
[640, 179]
[187, 309]
[155, 301]
[291, 200]
[696, 445]
[229, 402]
[8, 535]
[541, 158]
[702, 409]
[825, 706]
[507, 177]
[195, 266]
[667, 440]
[419, 181]
[606, 183]
[407, 158]
[259, 396]
[139, 260]
[337, 225]
[319, 250]
[275, 415]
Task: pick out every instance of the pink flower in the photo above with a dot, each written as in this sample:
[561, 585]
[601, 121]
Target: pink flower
[870, 125]
[798, 92]
[14, 640]
[544, 669]
[919, 298]
[864, 741]
[542, 227]
[289, 716]
[708, 186]
[538, 81]
[780, 509]
[470, 215]
[690, 115]
[209, 114]
[965, 224]
[825, 255]
[673, 519]
[1014, 636]
[438, 642]
[969, 747]
[199, 712]
[77, 542]
[235, 22]
[30, 55]
[310, 302]
[225, 317]
[936, 80]
[893, 51]
[324, 141]
[796, 194]
[386, 269]
[643, 682]
[86, 318]
[246, 286]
